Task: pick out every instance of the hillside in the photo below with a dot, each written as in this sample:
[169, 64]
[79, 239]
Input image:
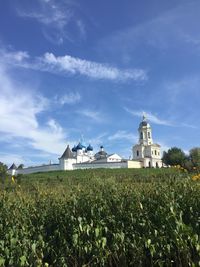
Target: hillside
[145, 217]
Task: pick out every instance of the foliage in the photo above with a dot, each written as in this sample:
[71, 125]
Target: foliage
[3, 172]
[85, 218]
[174, 156]
[195, 156]
[3, 168]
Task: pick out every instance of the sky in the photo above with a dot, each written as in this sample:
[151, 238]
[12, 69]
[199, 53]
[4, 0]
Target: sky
[74, 70]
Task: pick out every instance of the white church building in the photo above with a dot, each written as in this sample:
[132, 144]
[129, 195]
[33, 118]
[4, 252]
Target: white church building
[145, 154]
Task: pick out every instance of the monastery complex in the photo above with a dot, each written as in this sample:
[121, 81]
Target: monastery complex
[144, 154]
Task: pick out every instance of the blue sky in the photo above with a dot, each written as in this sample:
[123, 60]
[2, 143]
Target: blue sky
[91, 68]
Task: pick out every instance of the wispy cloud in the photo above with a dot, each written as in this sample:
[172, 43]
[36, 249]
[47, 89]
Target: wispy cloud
[72, 66]
[150, 117]
[81, 27]
[171, 28]
[55, 18]
[121, 135]
[91, 114]
[70, 98]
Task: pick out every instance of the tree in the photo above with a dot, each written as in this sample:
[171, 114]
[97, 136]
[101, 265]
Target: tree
[195, 156]
[174, 156]
[3, 169]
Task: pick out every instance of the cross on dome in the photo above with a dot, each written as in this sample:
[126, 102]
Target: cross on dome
[144, 116]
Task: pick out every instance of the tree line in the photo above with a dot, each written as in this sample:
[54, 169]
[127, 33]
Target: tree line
[176, 156]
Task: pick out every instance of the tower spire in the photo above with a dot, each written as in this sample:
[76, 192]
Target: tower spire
[144, 117]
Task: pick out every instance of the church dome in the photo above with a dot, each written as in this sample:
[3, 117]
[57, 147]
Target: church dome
[89, 148]
[79, 146]
[74, 149]
[144, 123]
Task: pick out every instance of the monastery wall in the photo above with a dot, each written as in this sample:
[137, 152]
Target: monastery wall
[43, 168]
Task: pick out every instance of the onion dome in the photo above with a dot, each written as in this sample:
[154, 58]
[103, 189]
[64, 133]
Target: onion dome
[74, 149]
[101, 154]
[67, 154]
[89, 148]
[79, 146]
[144, 122]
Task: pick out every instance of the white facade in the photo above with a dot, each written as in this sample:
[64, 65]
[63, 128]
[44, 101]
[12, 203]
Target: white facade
[145, 154]
[146, 151]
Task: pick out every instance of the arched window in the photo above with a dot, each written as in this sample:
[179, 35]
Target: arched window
[137, 153]
[155, 152]
[141, 135]
[152, 152]
[149, 135]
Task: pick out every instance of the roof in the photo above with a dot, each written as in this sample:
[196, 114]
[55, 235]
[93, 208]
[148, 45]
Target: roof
[67, 153]
[89, 148]
[74, 149]
[13, 167]
[100, 154]
[80, 146]
[144, 122]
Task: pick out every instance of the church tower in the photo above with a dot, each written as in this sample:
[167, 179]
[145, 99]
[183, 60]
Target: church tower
[147, 152]
[145, 132]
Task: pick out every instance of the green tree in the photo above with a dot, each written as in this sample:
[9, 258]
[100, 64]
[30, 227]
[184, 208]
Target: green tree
[3, 169]
[195, 156]
[174, 156]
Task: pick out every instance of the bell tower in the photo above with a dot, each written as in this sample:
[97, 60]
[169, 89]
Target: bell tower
[145, 132]
[146, 151]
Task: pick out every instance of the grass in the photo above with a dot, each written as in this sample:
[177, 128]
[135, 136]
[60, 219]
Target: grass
[123, 217]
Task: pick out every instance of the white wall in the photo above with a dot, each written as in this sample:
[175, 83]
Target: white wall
[107, 165]
[43, 168]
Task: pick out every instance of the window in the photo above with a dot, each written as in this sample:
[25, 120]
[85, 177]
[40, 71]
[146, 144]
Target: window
[137, 153]
[155, 152]
[141, 135]
[149, 135]
[152, 152]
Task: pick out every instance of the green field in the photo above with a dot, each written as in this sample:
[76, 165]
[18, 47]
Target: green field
[144, 217]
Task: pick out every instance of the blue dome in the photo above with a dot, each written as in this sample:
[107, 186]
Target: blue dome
[74, 149]
[89, 148]
[80, 146]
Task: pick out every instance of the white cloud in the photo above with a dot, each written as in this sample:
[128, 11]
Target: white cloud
[6, 159]
[91, 114]
[189, 126]
[48, 13]
[81, 27]
[70, 98]
[150, 117]
[72, 65]
[98, 140]
[17, 56]
[55, 17]
[121, 135]
[18, 115]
